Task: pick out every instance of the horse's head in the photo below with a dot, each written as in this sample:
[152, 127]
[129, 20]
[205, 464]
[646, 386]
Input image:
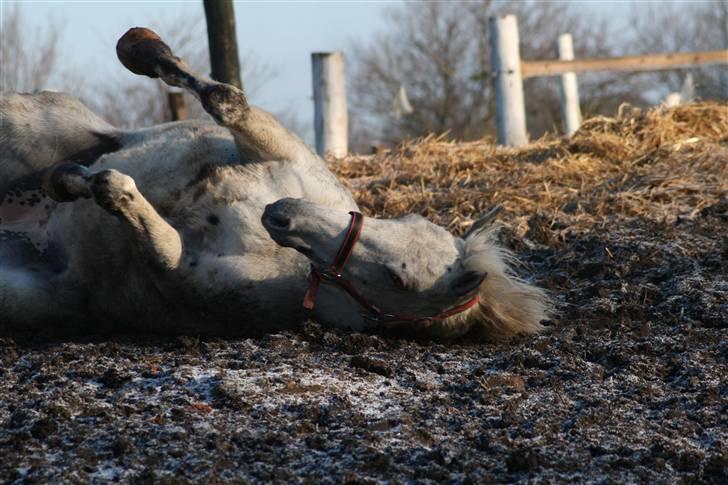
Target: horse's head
[412, 268]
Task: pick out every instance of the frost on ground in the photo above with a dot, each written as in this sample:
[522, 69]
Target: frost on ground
[629, 384]
[626, 227]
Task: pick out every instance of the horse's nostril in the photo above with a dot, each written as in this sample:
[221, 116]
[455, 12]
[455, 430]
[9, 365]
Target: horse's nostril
[279, 220]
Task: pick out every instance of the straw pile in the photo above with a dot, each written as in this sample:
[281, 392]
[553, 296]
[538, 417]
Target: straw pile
[640, 339]
[659, 164]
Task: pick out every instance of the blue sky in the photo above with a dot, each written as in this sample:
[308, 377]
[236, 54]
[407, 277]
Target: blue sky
[281, 34]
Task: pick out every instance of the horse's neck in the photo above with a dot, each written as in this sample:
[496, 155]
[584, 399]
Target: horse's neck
[319, 185]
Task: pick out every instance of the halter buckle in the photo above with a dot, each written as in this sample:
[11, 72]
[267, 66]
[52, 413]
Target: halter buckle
[329, 275]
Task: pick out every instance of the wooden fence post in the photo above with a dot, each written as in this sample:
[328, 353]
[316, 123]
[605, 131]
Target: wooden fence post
[506, 66]
[329, 99]
[177, 109]
[570, 112]
[223, 45]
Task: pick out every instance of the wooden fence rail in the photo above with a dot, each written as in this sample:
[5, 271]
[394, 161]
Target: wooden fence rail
[509, 71]
[647, 62]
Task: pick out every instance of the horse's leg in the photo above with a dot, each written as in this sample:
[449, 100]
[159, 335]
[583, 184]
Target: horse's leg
[256, 132]
[38, 130]
[117, 193]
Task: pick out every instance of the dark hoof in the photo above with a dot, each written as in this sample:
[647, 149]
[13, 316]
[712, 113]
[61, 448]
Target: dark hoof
[113, 190]
[66, 182]
[142, 51]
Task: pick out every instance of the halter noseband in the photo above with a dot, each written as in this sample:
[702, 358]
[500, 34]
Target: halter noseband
[333, 276]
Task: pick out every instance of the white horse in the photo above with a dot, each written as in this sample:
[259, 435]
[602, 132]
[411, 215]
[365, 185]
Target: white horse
[220, 229]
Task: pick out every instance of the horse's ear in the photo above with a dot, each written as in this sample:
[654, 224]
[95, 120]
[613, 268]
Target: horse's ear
[467, 282]
[483, 223]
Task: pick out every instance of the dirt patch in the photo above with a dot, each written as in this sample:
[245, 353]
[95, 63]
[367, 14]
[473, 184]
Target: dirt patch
[626, 224]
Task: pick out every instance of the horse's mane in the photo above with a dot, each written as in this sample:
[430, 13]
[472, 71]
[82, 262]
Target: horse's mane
[508, 305]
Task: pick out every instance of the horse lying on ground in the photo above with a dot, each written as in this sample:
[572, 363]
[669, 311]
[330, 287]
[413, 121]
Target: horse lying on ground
[196, 227]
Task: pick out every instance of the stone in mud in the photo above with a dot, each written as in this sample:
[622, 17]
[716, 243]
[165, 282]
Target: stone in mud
[88, 455]
[121, 446]
[688, 461]
[17, 419]
[146, 476]
[716, 467]
[380, 462]
[370, 364]
[226, 393]
[523, 460]
[43, 428]
[113, 379]
[358, 342]
[8, 352]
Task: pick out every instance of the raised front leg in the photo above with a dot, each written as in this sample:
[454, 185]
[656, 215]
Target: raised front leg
[117, 193]
[256, 131]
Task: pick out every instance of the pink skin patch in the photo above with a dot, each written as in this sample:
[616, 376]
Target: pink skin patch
[27, 212]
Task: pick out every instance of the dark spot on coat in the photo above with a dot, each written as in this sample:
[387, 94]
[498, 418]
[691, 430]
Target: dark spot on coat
[205, 172]
[404, 265]
[213, 219]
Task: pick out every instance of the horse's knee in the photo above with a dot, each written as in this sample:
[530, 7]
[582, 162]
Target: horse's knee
[67, 181]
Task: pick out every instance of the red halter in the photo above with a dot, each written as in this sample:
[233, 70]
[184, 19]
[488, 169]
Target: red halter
[333, 275]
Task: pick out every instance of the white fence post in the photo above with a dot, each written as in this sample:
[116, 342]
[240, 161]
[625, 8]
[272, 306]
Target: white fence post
[329, 99]
[570, 112]
[506, 65]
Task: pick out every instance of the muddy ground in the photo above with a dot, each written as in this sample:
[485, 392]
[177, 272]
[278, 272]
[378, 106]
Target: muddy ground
[625, 223]
[627, 384]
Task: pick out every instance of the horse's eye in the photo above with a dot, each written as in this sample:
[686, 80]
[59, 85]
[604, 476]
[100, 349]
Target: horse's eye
[396, 279]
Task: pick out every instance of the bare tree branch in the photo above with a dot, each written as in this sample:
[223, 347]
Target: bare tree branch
[26, 61]
[440, 52]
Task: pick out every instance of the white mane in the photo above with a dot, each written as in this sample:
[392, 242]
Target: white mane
[508, 306]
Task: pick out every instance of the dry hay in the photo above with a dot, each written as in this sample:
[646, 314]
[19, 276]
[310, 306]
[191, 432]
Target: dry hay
[659, 164]
[640, 339]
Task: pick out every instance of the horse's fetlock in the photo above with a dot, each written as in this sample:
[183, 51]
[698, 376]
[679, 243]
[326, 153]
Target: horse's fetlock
[225, 103]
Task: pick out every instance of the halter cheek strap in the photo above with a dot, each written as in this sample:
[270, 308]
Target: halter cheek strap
[347, 247]
[333, 276]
